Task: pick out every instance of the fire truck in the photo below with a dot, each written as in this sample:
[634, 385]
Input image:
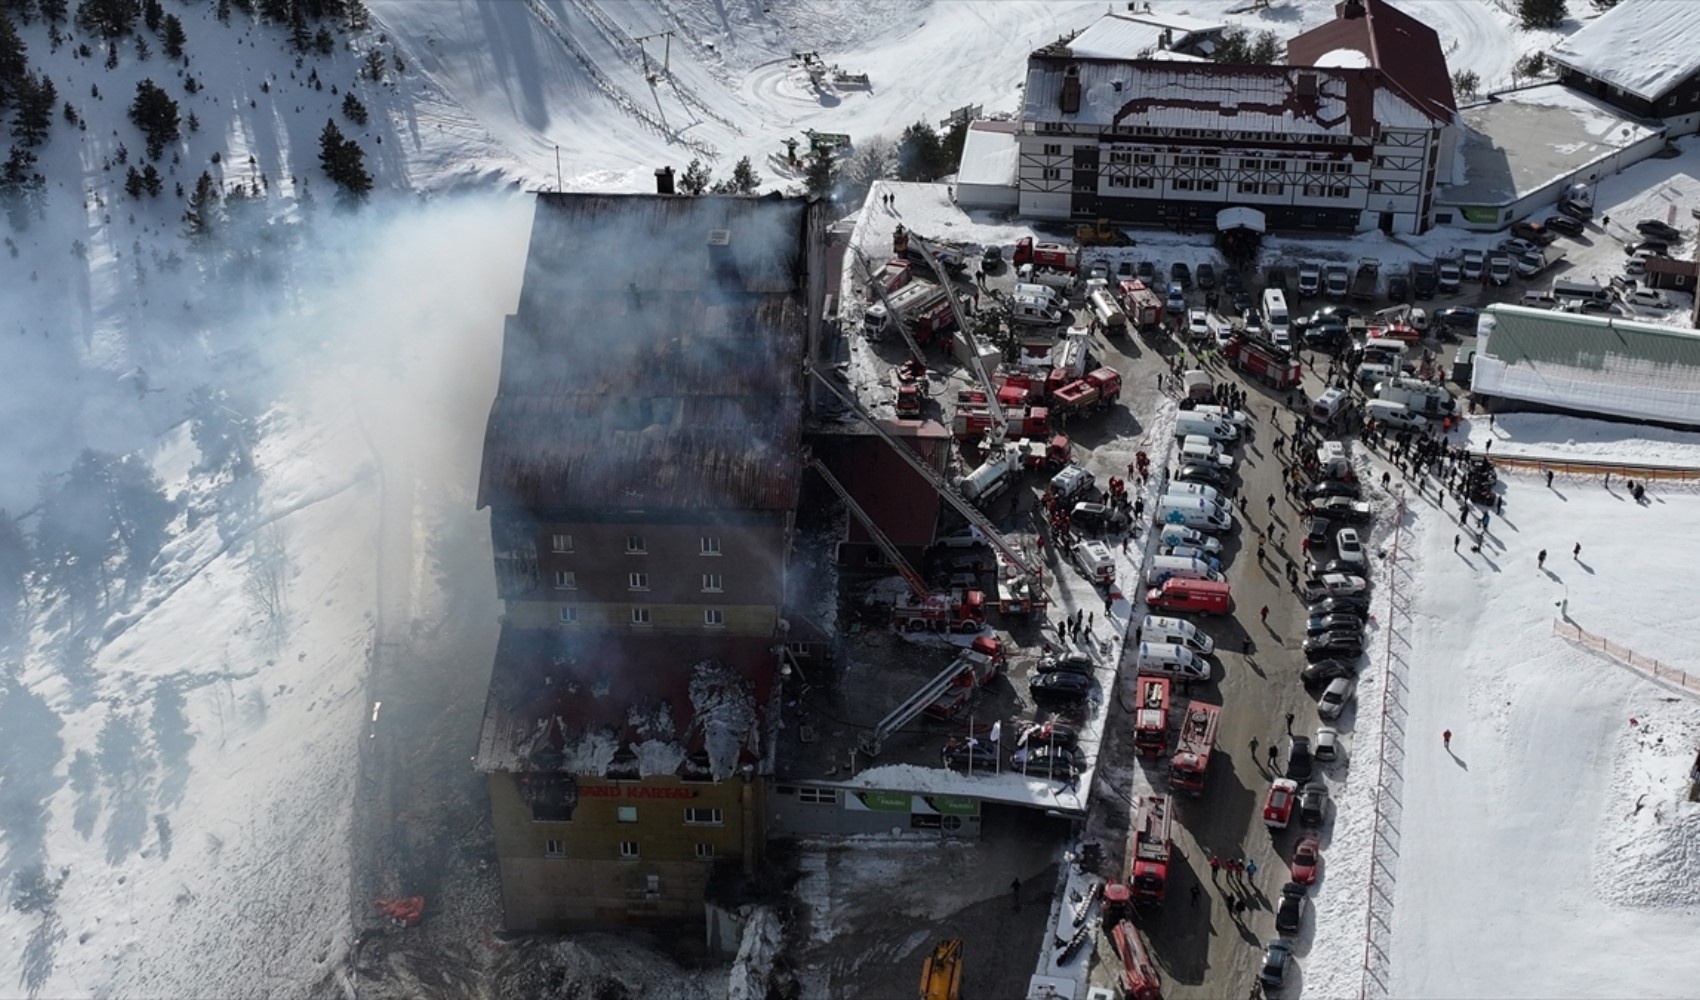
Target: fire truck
[1140, 980]
[1140, 304]
[1148, 849]
[1151, 717]
[1045, 255]
[973, 418]
[1274, 365]
[1191, 762]
[1100, 388]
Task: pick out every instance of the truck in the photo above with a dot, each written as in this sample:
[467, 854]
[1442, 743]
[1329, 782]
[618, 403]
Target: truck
[1421, 397]
[1449, 277]
[972, 421]
[1424, 279]
[1337, 282]
[1473, 265]
[1096, 391]
[1144, 307]
[1365, 279]
[1148, 849]
[1053, 255]
[988, 480]
[1192, 752]
[913, 298]
[1139, 977]
[1151, 717]
[1271, 364]
[1310, 280]
[1050, 277]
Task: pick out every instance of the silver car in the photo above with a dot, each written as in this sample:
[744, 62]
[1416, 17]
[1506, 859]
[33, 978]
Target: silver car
[1335, 697]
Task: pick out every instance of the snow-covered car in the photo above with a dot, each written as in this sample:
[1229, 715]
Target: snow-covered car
[1313, 804]
[1307, 858]
[1514, 247]
[1335, 697]
[1329, 584]
[1272, 972]
[1198, 324]
[1348, 548]
[1278, 804]
[1290, 910]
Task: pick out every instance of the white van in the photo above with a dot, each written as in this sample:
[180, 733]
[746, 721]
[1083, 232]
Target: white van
[1109, 314]
[1393, 414]
[1209, 493]
[1061, 280]
[1044, 292]
[1385, 345]
[1171, 659]
[1192, 512]
[1034, 310]
[1184, 567]
[1197, 448]
[1205, 425]
[1538, 300]
[1094, 559]
[1275, 315]
[1176, 631]
[1328, 404]
[1369, 375]
[1177, 534]
[1235, 417]
[1565, 288]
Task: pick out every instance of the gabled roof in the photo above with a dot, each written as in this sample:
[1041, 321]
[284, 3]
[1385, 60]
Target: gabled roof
[1601, 364]
[1406, 51]
[1644, 47]
[655, 356]
[1135, 35]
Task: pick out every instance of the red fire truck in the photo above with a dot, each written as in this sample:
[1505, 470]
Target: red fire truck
[1274, 365]
[1100, 388]
[1044, 255]
[1192, 753]
[1142, 306]
[1151, 717]
[1148, 849]
[1139, 973]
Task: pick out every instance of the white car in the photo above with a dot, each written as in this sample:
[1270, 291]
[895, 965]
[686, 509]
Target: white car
[1334, 585]
[1335, 697]
[1237, 417]
[1499, 268]
[1647, 298]
[1516, 247]
[1224, 336]
[1326, 747]
[1349, 548]
[1198, 324]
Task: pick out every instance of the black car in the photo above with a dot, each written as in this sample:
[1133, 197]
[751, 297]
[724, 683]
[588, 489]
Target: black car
[1330, 488]
[1324, 334]
[1322, 671]
[1231, 281]
[1241, 299]
[1563, 224]
[1211, 475]
[1278, 279]
[1060, 687]
[1098, 516]
[1313, 804]
[1299, 763]
[1341, 509]
[1206, 276]
[1339, 621]
[1341, 313]
[1333, 645]
[1273, 972]
[1050, 733]
[1054, 761]
[1071, 663]
[1147, 271]
[1659, 230]
[1290, 911]
[1458, 318]
[1399, 288]
[991, 259]
[1180, 274]
[970, 752]
[1657, 248]
[1576, 209]
[1339, 604]
[1319, 530]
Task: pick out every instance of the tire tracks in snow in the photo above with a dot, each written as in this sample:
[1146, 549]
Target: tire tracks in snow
[610, 89]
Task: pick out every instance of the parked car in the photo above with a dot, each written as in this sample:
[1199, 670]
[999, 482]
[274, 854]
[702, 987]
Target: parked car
[1313, 804]
[1532, 232]
[1564, 225]
[1147, 271]
[1326, 671]
[1399, 288]
[1180, 274]
[1324, 334]
[1231, 281]
[1316, 530]
[1576, 209]
[991, 259]
[1206, 276]
[1276, 956]
[1341, 509]
[1349, 548]
[1100, 516]
[1330, 488]
[962, 538]
[1327, 745]
[1647, 298]
[1499, 268]
[1051, 761]
[1461, 318]
[1659, 230]
[1307, 858]
[1341, 313]
[1277, 279]
[1474, 265]
[1357, 604]
[1333, 645]
[1241, 299]
[1124, 271]
[1177, 301]
[1591, 306]
[1278, 804]
[1517, 247]
[1335, 697]
[1209, 475]
[1338, 622]
[1197, 324]
[970, 753]
[1648, 248]
[1290, 911]
[1070, 663]
[1299, 764]
[1060, 687]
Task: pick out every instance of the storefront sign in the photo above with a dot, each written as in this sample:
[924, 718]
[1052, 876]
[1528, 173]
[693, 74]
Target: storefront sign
[635, 792]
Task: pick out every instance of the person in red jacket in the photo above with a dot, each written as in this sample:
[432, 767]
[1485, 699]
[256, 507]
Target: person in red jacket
[1446, 739]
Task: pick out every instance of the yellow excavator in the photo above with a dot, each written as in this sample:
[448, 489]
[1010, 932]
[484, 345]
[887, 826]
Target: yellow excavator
[1101, 235]
[941, 974]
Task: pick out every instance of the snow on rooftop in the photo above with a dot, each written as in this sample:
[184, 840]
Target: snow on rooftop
[1115, 36]
[988, 157]
[1645, 47]
[724, 711]
[1344, 59]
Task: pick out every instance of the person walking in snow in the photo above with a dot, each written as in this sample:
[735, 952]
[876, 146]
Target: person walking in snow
[1455, 543]
[1446, 739]
[1215, 865]
[1541, 559]
[1263, 614]
[1576, 553]
[1250, 870]
[1289, 723]
[1549, 478]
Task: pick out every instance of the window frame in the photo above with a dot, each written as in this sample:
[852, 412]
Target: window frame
[630, 850]
[709, 545]
[640, 617]
[638, 582]
[568, 615]
[559, 543]
[717, 816]
[554, 848]
[705, 851]
[625, 814]
[566, 579]
[637, 545]
[713, 618]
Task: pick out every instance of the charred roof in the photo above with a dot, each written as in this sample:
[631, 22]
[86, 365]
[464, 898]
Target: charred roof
[656, 353]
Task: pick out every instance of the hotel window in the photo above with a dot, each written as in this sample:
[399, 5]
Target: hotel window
[626, 814]
[1250, 187]
[1207, 185]
[1251, 163]
[711, 583]
[705, 817]
[629, 849]
[1276, 165]
[710, 545]
[1051, 173]
[569, 616]
[637, 581]
[566, 580]
[1143, 183]
[1274, 188]
[1210, 162]
[1339, 191]
[635, 545]
[561, 543]
[1053, 149]
[714, 618]
[818, 796]
[554, 848]
[705, 852]
[1183, 184]
[1121, 182]
[1340, 168]
[1316, 168]
[1186, 161]
[1121, 157]
[640, 616]
[1145, 159]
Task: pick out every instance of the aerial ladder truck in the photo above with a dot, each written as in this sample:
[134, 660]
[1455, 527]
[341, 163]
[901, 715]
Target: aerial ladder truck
[910, 376]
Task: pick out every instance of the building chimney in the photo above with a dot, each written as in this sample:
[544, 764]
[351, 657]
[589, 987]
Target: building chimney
[1346, 10]
[663, 180]
[1070, 102]
[1307, 86]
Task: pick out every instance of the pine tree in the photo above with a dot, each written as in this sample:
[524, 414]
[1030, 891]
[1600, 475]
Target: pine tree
[375, 66]
[745, 180]
[357, 16]
[152, 12]
[22, 188]
[108, 18]
[1541, 13]
[152, 181]
[133, 183]
[221, 432]
[222, 11]
[918, 153]
[353, 110]
[344, 162]
[695, 179]
[53, 11]
[36, 101]
[173, 38]
[155, 113]
[300, 34]
[323, 42]
[820, 174]
[14, 62]
[204, 217]
[14, 570]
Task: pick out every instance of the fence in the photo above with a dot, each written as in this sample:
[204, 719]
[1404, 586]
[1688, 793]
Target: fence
[1628, 657]
[1389, 780]
[1619, 470]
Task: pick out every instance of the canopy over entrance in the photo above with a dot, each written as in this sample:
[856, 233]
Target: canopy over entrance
[1240, 217]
